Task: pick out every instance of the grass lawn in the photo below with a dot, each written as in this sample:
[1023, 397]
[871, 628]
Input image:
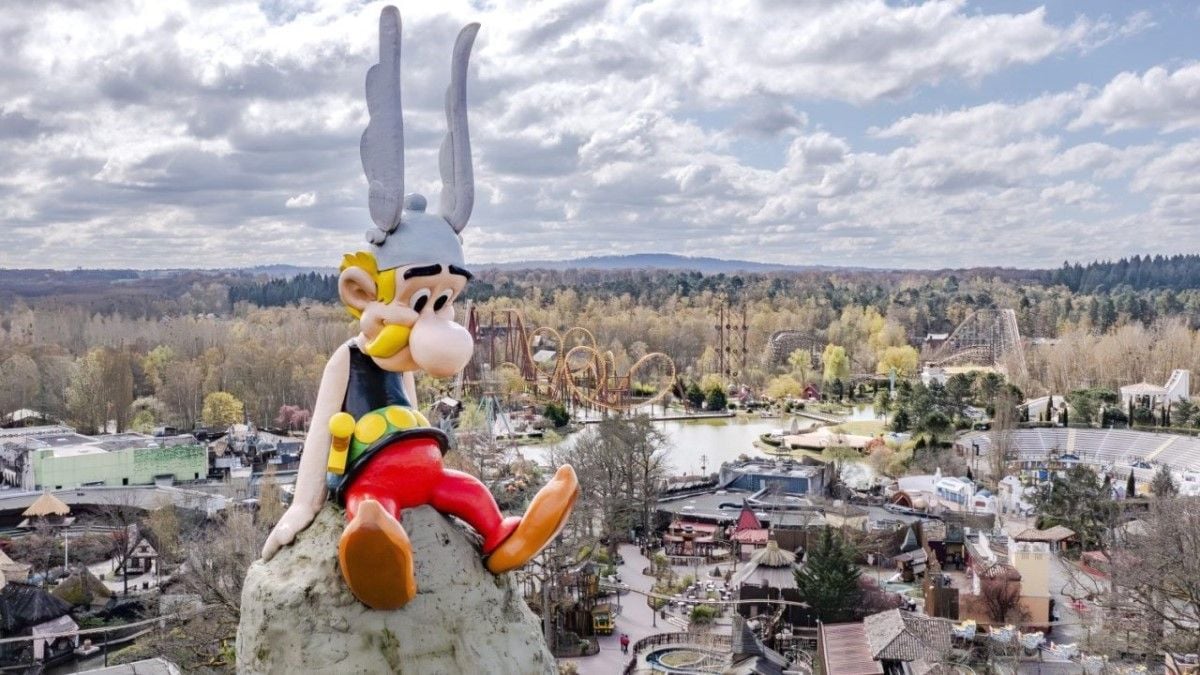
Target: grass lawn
[862, 427]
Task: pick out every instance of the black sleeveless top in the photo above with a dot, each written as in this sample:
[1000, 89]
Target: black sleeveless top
[370, 387]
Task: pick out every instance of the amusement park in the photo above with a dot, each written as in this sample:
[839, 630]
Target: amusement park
[929, 412]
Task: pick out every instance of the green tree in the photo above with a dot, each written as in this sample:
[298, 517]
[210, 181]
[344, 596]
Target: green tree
[221, 409]
[959, 390]
[695, 396]
[715, 400]
[1076, 500]
[937, 425]
[836, 362]
[1163, 486]
[828, 582]
[557, 414]
[1183, 413]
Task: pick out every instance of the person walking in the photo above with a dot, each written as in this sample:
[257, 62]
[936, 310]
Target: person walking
[624, 643]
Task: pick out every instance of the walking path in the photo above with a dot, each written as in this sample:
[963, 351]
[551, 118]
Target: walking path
[636, 618]
[110, 576]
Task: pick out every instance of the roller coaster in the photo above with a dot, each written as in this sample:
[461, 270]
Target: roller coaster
[567, 367]
[986, 337]
[783, 343]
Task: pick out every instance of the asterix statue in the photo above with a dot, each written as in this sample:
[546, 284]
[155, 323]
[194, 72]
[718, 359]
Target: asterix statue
[369, 449]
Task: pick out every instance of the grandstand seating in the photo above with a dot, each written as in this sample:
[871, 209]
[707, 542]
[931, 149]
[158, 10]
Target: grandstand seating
[1111, 448]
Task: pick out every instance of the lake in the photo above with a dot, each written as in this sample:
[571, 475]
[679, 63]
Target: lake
[700, 446]
[693, 443]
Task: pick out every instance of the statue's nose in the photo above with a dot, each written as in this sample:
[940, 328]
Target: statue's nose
[440, 347]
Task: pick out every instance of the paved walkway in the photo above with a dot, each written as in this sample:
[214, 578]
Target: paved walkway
[106, 572]
[635, 618]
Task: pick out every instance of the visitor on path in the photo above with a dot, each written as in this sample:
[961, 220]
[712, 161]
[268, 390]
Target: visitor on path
[624, 643]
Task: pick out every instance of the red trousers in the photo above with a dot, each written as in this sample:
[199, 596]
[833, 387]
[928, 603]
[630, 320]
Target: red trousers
[411, 474]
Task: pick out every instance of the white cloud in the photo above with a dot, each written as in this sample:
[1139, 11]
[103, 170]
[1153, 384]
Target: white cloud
[1169, 101]
[988, 122]
[186, 129]
[301, 201]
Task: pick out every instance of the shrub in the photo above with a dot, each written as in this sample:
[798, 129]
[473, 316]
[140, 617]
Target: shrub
[703, 614]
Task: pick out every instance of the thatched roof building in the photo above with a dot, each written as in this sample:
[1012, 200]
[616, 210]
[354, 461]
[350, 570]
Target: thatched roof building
[47, 505]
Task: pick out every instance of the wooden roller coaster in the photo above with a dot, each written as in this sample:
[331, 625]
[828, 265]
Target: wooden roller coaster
[567, 367]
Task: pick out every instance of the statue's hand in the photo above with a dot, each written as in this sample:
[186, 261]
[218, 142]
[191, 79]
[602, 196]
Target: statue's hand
[296, 518]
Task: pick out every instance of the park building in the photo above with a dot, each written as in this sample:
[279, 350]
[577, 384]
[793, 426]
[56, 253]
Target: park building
[56, 457]
[786, 476]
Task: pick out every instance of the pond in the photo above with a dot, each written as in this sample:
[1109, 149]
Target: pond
[695, 446]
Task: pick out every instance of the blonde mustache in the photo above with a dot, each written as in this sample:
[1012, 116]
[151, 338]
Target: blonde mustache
[390, 340]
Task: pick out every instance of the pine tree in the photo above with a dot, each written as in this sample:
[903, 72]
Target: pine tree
[1130, 486]
[1163, 486]
[828, 582]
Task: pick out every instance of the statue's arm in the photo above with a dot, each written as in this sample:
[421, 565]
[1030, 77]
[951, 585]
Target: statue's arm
[310, 480]
[410, 389]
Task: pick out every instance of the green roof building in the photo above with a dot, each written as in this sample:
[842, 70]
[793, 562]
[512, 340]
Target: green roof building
[124, 459]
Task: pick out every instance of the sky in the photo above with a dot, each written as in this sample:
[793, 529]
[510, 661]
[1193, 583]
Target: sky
[221, 133]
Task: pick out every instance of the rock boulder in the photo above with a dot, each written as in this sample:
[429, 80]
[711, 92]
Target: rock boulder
[298, 616]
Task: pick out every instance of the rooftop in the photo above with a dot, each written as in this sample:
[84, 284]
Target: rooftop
[46, 505]
[768, 467]
[906, 636]
[1052, 535]
[76, 451]
[1143, 389]
[757, 574]
[846, 651]
[771, 510]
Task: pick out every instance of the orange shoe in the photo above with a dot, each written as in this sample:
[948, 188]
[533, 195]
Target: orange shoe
[376, 558]
[542, 522]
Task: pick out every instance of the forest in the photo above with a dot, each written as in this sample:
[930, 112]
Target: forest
[148, 349]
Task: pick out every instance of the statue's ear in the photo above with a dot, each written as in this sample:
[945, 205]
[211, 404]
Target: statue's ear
[357, 289]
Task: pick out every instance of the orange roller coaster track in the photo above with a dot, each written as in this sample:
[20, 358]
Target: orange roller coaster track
[564, 366]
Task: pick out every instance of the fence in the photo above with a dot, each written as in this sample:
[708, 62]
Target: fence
[125, 633]
[699, 639]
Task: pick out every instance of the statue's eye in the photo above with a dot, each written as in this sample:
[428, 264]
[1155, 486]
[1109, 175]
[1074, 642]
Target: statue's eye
[419, 300]
[442, 300]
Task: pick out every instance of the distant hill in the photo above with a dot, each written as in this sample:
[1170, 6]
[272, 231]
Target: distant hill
[284, 271]
[659, 261]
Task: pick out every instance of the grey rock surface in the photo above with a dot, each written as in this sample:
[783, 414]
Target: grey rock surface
[299, 617]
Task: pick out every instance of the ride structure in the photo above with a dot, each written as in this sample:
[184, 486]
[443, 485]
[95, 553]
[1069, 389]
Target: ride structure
[783, 343]
[988, 337]
[567, 367]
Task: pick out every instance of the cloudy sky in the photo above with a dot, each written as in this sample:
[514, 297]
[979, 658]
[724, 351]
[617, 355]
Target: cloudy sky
[216, 133]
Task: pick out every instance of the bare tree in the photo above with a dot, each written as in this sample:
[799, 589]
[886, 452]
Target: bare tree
[163, 523]
[270, 498]
[1156, 576]
[183, 391]
[122, 513]
[1004, 420]
[21, 383]
[1001, 599]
